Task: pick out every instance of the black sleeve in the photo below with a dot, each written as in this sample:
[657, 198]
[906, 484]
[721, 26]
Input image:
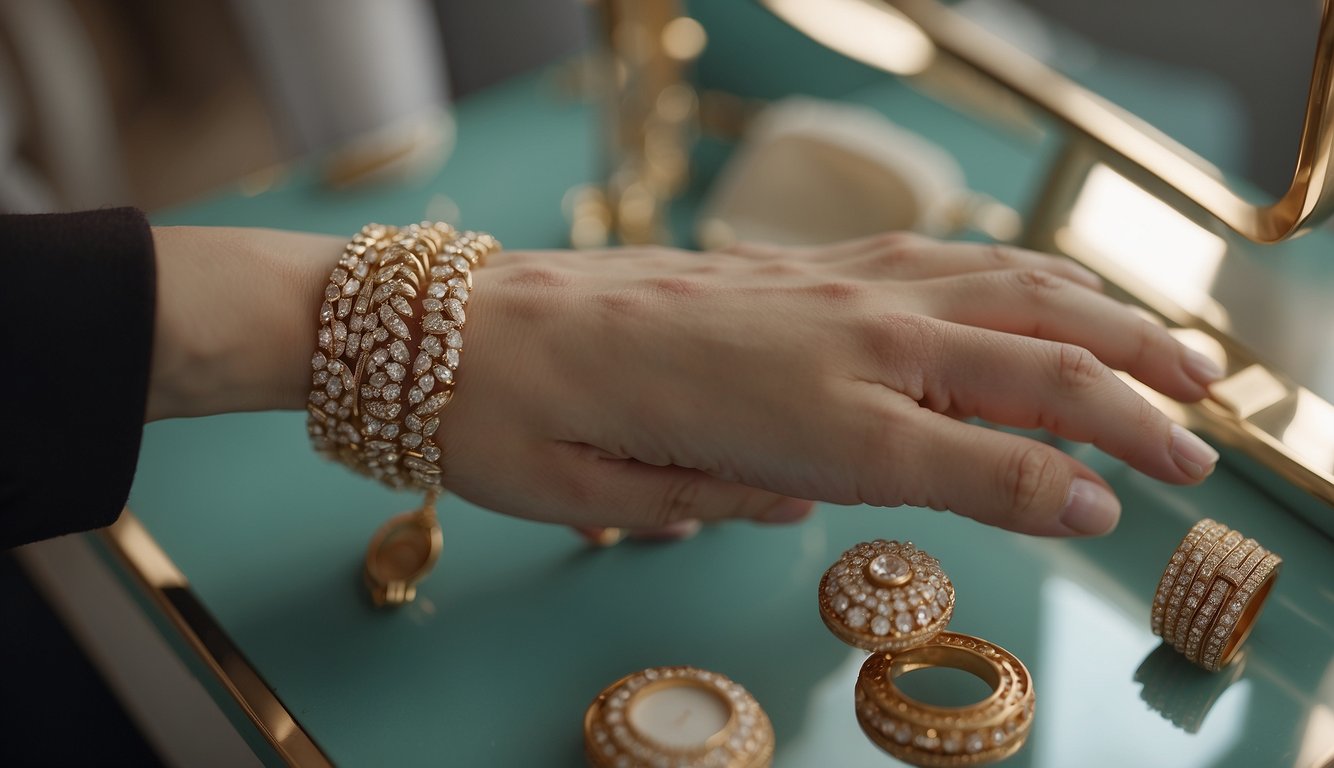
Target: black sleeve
[77, 303]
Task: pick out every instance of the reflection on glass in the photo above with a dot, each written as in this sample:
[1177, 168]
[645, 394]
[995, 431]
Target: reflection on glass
[1090, 650]
[1318, 741]
[1144, 237]
[872, 33]
[831, 721]
[1181, 692]
[1309, 433]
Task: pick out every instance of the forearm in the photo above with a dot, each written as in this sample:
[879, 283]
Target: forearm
[236, 317]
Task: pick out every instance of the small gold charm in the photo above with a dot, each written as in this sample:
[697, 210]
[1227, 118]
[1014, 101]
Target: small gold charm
[402, 553]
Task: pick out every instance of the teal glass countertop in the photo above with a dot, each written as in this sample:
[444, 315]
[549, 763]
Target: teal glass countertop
[521, 624]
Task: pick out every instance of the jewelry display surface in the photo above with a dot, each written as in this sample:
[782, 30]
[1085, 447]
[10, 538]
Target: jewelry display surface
[446, 678]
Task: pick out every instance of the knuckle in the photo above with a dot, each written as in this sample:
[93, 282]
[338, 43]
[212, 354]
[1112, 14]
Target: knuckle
[835, 292]
[1038, 284]
[679, 502]
[779, 269]
[673, 287]
[620, 302]
[1026, 479]
[1001, 255]
[1077, 368]
[893, 340]
[580, 490]
[893, 249]
[1149, 340]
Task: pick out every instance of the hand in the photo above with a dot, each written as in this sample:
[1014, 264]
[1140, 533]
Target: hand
[645, 387]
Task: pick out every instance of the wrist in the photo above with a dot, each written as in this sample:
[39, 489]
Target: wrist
[235, 319]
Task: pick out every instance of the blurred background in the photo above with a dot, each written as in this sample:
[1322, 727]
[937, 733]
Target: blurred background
[155, 103]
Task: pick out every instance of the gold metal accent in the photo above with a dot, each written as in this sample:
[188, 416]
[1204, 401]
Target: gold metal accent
[650, 122]
[933, 34]
[402, 553]
[928, 735]
[170, 592]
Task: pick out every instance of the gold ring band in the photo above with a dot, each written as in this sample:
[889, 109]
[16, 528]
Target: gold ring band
[1209, 537]
[929, 735]
[1204, 590]
[1211, 593]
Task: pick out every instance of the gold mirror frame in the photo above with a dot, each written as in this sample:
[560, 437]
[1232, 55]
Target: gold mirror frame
[926, 35]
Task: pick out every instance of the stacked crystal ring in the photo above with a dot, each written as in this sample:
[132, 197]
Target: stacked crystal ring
[1211, 593]
[677, 716]
[387, 354]
[893, 599]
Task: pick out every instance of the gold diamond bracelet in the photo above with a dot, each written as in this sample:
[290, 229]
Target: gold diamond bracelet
[376, 390]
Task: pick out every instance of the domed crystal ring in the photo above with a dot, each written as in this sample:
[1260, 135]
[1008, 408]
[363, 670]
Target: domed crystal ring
[928, 735]
[886, 596]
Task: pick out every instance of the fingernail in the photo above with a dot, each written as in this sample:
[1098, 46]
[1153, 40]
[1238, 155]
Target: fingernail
[1202, 368]
[787, 511]
[599, 537]
[1090, 509]
[1194, 456]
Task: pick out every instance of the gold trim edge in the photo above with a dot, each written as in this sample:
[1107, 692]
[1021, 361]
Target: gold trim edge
[144, 559]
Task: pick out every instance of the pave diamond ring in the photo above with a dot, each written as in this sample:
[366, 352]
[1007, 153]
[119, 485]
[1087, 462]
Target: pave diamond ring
[928, 735]
[1211, 593]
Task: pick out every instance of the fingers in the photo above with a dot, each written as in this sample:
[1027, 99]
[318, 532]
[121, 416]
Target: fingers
[1035, 302]
[917, 258]
[663, 502]
[908, 256]
[997, 478]
[1023, 382]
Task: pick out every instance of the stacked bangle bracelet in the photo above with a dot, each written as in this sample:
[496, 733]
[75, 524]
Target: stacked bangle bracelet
[388, 350]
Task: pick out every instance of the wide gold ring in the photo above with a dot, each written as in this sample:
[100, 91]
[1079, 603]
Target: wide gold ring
[928, 735]
[1211, 593]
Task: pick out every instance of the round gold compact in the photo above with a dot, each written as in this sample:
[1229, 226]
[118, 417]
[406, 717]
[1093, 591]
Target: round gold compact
[895, 600]
[673, 717]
